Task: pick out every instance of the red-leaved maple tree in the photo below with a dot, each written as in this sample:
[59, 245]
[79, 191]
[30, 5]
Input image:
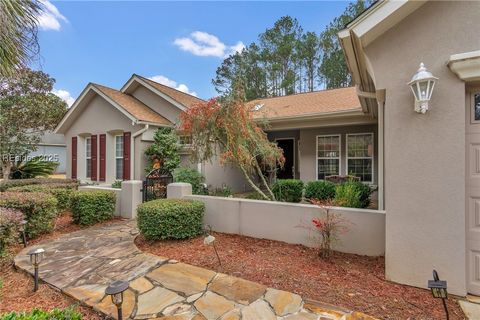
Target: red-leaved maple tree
[227, 130]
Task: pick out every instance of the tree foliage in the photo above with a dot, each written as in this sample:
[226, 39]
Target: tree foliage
[164, 151]
[333, 68]
[227, 130]
[18, 34]
[27, 110]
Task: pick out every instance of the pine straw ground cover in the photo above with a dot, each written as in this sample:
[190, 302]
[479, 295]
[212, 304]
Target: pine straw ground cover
[351, 281]
[16, 286]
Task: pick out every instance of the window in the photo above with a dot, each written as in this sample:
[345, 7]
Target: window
[119, 157]
[185, 141]
[328, 156]
[476, 107]
[360, 156]
[88, 157]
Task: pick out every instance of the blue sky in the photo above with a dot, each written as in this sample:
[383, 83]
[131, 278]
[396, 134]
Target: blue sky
[179, 43]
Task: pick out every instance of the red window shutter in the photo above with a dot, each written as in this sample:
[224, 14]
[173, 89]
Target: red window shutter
[126, 155]
[103, 138]
[74, 158]
[93, 159]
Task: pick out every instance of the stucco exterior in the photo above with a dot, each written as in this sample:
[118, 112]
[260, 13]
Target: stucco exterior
[424, 154]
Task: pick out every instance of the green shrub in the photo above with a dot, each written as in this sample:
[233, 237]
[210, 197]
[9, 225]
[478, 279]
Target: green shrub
[4, 185]
[353, 194]
[195, 178]
[170, 219]
[288, 190]
[254, 196]
[34, 167]
[117, 184]
[224, 191]
[61, 191]
[321, 190]
[39, 209]
[37, 314]
[10, 220]
[89, 207]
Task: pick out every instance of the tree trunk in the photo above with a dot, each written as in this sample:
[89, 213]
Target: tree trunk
[262, 178]
[6, 169]
[252, 184]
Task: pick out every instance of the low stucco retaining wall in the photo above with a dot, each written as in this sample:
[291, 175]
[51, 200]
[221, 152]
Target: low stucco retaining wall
[283, 222]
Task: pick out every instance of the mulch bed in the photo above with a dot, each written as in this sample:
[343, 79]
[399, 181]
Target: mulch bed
[16, 290]
[346, 280]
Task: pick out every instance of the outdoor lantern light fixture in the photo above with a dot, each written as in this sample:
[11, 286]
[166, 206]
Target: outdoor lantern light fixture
[115, 290]
[439, 290]
[422, 84]
[36, 257]
[23, 223]
[210, 240]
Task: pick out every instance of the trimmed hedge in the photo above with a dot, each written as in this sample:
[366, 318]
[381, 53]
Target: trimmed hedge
[170, 219]
[353, 194]
[89, 207]
[288, 190]
[321, 190]
[10, 220]
[4, 185]
[37, 314]
[61, 191]
[40, 210]
[195, 178]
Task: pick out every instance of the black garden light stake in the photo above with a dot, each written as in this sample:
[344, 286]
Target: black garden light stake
[36, 257]
[23, 223]
[115, 290]
[439, 290]
[210, 240]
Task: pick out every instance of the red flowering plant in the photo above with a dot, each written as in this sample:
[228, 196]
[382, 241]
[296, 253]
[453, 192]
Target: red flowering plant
[228, 131]
[327, 228]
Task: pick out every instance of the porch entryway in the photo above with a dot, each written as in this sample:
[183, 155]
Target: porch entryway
[288, 147]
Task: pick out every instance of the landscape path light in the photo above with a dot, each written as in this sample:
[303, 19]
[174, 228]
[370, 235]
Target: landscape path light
[422, 84]
[36, 257]
[115, 290]
[210, 240]
[439, 290]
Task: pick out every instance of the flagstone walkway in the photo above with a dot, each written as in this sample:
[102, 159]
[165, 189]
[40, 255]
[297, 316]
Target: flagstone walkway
[81, 264]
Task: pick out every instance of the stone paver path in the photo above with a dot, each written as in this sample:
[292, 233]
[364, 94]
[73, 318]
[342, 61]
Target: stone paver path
[81, 264]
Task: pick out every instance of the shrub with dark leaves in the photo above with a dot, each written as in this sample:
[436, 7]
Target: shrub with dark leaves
[90, 207]
[61, 191]
[288, 190]
[320, 190]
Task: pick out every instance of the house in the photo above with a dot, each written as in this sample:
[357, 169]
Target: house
[52, 147]
[428, 162]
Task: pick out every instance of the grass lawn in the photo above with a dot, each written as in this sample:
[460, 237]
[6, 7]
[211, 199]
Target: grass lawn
[346, 280]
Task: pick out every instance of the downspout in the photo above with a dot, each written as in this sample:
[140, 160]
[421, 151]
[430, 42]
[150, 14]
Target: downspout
[136, 134]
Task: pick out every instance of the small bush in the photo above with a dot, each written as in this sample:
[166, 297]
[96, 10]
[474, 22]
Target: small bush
[321, 190]
[288, 190]
[224, 191]
[170, 219]
[353, 194]
[195, 178]
[10, 220]
[90, 207]
[117, 184]
[4, 185]
[254, 196]
[61, 191]
[37, 314]
[39, 209]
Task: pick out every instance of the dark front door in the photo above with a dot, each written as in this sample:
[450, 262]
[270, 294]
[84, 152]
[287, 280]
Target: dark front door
[288, 147]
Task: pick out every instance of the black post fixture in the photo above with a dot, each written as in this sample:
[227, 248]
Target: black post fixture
[115, 290]
[23, 224]
[36, 257]
[210, 240]
[439, 290]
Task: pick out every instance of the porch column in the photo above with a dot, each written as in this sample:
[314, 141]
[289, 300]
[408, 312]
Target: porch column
[380, 95]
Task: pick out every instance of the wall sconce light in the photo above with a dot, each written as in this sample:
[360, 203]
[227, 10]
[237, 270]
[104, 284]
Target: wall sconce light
[439, 290]
[210, 240]
[23, 224]
[36, 257]
[422, 84]
[115, 290]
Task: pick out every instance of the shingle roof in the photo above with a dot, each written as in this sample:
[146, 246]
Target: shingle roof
[133, 106]
[183, 98]
[332, 100]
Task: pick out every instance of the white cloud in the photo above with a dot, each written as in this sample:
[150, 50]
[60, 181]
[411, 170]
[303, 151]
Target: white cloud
[64, 95]
[50, 18]
[204, 44]
[172, 84]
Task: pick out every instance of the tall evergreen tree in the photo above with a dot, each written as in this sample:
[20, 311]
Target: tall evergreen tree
[310, 58]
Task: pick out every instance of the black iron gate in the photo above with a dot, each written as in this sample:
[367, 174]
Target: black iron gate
[155, 184]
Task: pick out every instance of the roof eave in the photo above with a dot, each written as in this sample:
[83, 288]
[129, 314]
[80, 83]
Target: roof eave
[313, 116]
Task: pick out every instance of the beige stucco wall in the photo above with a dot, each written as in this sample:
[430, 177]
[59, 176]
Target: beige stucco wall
[307, 149]
[253, 218]
[424, 154]
[98, 117]
[160, 105]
